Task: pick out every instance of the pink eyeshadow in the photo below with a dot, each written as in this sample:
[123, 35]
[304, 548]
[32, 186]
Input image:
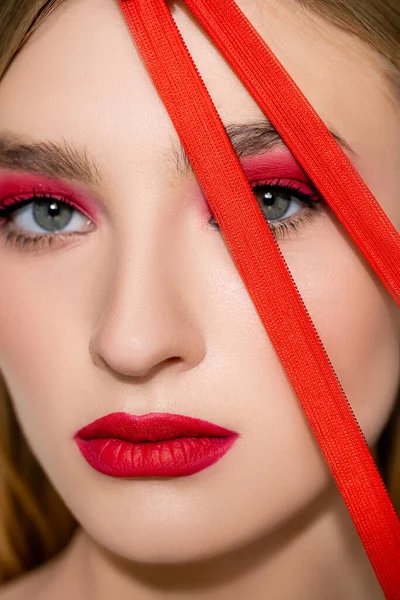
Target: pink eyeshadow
[21, 184]
[274, 164]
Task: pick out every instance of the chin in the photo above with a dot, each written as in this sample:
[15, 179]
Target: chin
[171, 541]
[172, 527]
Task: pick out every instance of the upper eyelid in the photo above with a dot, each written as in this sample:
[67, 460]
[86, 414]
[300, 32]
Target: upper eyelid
[282, 182]
[19, 204]
[16, 186]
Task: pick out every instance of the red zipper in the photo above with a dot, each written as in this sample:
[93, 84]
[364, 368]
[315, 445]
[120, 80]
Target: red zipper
[255, 251]
[305, 134]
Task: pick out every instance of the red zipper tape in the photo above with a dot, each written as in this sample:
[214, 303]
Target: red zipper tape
[305, 134]
[257, 255]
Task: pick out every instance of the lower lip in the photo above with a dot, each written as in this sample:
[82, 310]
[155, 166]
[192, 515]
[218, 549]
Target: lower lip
[170, 458]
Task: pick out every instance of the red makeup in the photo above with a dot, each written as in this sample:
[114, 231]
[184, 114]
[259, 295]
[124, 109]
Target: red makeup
[152, 445]
[21, 185]
[273, 166]
[277, 163]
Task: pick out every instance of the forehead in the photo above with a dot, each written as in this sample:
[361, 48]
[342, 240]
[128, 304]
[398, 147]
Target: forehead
[80, 77]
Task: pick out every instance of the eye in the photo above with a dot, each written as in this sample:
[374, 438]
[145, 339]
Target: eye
[286, 204]
[277, 202]
[47, 215]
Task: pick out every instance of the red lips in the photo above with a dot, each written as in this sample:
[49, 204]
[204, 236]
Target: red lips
[152, 445]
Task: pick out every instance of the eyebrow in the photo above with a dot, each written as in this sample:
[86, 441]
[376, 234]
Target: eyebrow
[53, 159]
[61, 160]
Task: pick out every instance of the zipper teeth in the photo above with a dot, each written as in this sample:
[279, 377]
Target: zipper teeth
[179, 34]
[249, 30]
[379, 256]
[284, 260]
[361, 434]
[244, 20]
[280, 252]
[321, 344]
[306, 326]
[358, 427]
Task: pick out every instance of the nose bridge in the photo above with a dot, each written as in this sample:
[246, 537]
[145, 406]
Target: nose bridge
[147, 317]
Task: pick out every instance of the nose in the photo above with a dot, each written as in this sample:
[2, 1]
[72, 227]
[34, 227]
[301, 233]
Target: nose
[150, 313]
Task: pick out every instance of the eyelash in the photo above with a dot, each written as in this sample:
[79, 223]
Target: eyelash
[279, 229]
[26, 242]
[285, 227]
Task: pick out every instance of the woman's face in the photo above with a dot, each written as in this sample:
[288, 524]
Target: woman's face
[141, 309]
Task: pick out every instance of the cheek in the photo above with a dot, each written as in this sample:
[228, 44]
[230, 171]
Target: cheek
[356, 320]
[41, 349]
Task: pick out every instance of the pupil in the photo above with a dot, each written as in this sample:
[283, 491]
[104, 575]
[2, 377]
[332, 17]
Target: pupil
[54, 209]
[275, 202]
[52, 215]
[268, 198]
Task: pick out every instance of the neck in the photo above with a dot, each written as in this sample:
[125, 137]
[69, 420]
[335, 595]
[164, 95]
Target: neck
[317, 555]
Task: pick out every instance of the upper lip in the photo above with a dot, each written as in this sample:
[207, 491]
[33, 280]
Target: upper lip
[152, 427]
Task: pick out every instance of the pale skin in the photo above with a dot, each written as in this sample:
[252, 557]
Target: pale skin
[147, 312]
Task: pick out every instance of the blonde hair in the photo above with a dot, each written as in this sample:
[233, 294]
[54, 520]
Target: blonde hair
[34, 522]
